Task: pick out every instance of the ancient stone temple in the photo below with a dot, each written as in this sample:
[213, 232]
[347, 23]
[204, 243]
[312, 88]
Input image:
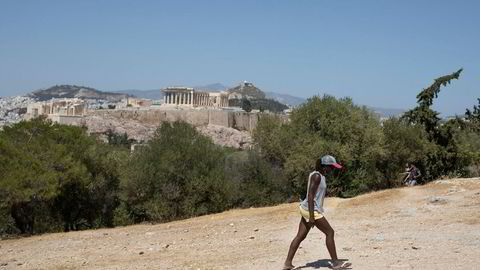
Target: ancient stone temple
[64, 107]
[188, 97]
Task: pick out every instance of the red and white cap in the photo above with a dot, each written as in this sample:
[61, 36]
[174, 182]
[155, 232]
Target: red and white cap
[329, 160]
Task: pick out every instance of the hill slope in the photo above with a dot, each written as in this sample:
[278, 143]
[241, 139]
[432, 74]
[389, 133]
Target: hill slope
[74, 91]
[213, 87]
[436, 226]
[247, 90]
[155, 94]
[285, 99]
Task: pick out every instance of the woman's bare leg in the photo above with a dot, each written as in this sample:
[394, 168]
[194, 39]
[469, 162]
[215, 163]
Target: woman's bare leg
[303, 230]
[323, 225]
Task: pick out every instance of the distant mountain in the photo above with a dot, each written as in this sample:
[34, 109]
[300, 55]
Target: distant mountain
[74, 91]
[214, 87]
[285, 99]
[148, 94]
[158, 93]
[295, 101]
[386, 112]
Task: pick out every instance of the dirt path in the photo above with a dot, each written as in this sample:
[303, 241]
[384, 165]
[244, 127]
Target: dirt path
[436, 226]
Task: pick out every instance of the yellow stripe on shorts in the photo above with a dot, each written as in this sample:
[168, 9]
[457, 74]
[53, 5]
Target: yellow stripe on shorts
[305, 214]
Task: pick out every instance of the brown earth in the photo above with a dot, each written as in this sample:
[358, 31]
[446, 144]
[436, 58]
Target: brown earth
[436, 226]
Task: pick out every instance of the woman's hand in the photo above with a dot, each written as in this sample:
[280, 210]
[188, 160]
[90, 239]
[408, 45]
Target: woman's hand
[311, 222]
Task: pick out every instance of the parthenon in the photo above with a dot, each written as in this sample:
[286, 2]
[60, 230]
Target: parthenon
[188, 97]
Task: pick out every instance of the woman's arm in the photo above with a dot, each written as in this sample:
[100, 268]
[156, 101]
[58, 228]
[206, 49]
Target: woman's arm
[312, 189]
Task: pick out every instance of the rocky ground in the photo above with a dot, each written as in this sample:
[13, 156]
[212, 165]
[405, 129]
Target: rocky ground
[436, 226]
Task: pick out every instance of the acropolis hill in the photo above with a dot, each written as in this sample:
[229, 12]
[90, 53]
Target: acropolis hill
[215, 114]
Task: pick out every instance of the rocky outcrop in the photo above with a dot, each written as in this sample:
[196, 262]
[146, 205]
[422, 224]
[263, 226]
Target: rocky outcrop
[143, 132]
[229, 137]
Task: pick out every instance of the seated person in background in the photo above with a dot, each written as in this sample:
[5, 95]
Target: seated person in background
[413, 173]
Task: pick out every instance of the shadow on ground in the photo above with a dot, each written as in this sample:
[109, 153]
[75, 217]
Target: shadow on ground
[319, 264]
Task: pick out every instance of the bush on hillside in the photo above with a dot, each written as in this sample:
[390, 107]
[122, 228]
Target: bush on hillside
[447, 159]
[325, 125]
[403, 143]
[55, 176]
[272, 137]
[179, 174]
[254, 180]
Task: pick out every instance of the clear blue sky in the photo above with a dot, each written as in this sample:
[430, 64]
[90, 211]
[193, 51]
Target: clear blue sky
[380, 53]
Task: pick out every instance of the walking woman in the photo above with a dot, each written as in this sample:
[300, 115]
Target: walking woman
[311, 210]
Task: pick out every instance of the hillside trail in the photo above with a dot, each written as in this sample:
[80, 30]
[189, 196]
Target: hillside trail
[435, 226]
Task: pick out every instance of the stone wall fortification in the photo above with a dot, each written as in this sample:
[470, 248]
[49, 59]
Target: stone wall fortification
[238, 120]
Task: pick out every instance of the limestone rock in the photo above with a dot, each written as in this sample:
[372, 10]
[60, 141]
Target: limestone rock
[229, 137]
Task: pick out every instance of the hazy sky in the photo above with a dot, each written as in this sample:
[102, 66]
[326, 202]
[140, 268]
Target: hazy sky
[380, 53]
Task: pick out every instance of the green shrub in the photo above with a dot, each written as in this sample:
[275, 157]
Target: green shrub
[254, 181]
[325, 125]
[179, 174]
[121, 216]
[468, 142]
[56, 176]
[7, 223]
[403, 142]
